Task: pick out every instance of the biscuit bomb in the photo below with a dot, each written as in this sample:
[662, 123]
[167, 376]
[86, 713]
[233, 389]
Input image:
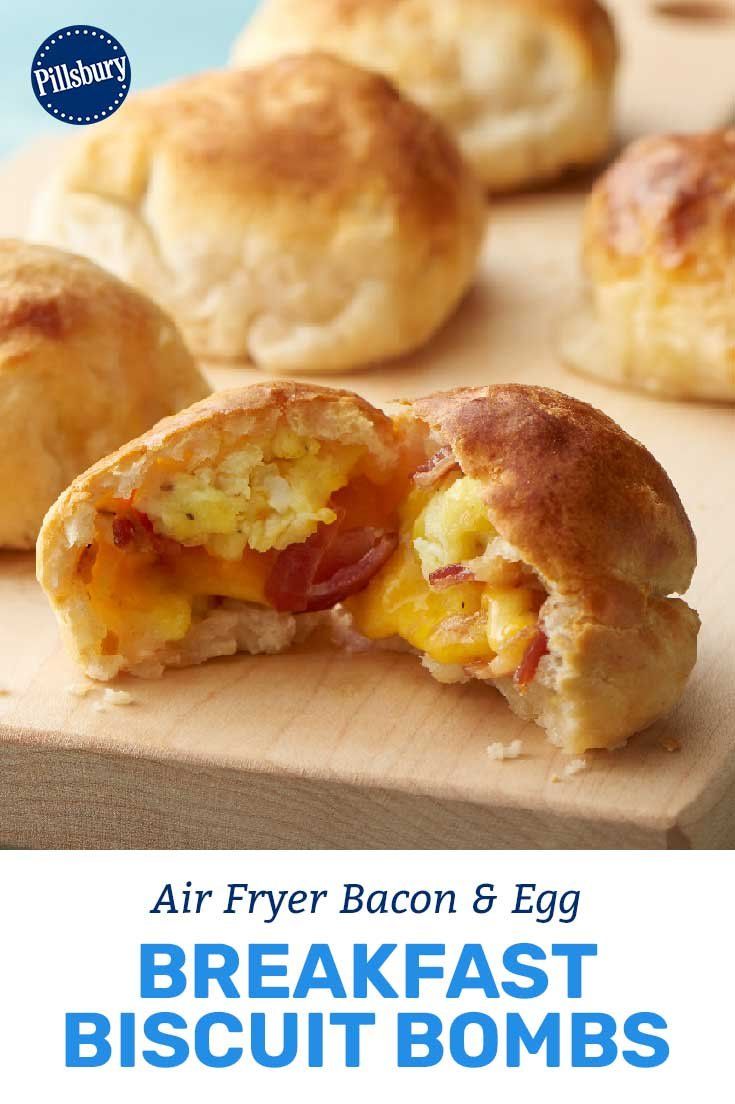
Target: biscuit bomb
[525, 86]
[303, 214]
[659, 257]
[509, 534]
[85, 363]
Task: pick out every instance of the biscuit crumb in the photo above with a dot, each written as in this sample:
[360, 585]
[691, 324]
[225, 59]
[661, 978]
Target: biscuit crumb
[79, 689]
[117, 697]
[499, 750]
[669, 743]
[449, 673]
[574, 766]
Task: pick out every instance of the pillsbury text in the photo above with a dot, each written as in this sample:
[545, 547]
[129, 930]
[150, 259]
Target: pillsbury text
[62, 78]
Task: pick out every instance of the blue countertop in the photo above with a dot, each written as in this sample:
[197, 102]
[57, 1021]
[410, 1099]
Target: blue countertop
[163, 40]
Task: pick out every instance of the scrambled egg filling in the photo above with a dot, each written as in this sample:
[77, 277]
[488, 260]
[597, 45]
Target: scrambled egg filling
[452, 527]
[468, 622]
[223, 526]
[254, 498]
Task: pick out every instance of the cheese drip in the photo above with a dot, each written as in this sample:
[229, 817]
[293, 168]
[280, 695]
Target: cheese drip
[469, 622]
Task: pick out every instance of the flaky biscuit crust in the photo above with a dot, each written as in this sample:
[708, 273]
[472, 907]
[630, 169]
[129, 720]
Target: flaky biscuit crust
[524, 85]
[602, 683]
[598, 519]
[303, 214]
[659, 256]
[668, 201]
[86, 363]
[580, 499]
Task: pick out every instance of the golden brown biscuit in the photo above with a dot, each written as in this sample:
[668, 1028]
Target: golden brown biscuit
[659, 255]
[222, 529]
[303, 214]
[537, 551]
[525, 86]
[85, 363]
[510, 534]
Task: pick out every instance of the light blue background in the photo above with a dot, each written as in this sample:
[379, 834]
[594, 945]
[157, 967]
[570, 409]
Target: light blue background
[163, 39]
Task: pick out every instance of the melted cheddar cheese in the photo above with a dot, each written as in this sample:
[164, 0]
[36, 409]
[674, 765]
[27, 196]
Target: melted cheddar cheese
[465, 623]
[135, 593]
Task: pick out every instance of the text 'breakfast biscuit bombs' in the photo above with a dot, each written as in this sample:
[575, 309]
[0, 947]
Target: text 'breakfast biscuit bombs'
[303, 214]
[659, 256]
[509, 534]
[86, 362]
[525, 86]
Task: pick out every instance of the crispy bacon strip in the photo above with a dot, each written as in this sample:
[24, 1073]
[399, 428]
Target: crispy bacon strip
[327, 568]
[450, 575]
[349, 579]
[293, 573]
[435, 467]
[536, 650]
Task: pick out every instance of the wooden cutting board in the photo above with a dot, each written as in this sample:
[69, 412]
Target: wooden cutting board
[323, 750]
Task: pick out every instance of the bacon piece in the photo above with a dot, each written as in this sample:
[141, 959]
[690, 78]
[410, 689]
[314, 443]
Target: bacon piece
[132, 528]
[327, 568]
[536, 650]
[144, 520]
[344, 548]
[123, 531]
[349, 579]
[450, 575]
[293, 573]
[435, 467]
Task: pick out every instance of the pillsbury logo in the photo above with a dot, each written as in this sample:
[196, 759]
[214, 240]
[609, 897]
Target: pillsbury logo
[80, 75]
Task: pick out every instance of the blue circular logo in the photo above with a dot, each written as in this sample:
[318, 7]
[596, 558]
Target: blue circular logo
[80, 75]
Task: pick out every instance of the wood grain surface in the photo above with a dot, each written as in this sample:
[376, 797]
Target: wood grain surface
[318, 749]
